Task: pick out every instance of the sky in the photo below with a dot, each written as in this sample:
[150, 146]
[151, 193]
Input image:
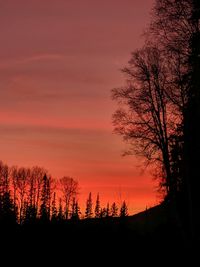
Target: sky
[59, 61]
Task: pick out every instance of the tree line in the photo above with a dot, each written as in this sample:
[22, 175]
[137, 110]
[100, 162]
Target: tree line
[159, 107]
[28, 195]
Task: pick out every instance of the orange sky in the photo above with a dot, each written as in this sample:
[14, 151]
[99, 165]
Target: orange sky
[58, 62]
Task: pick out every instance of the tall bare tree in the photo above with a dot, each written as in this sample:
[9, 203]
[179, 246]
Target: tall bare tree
[69, 189]
[37, 175]
[22, 182]
[145, 118]
[14, 177]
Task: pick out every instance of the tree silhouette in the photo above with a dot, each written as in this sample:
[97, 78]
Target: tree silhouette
[88, 210]
[38, 174]
[7, 208]
[123, 210]
[145, 117]
[14, 177]
[22, 182]
[75, 213]
[53, 208]
[45, 208]
[175, 28]
[192, 118]
[69, 188]
[159, 106]
[103, 213]
[60, 211]
[108, 210]
[7, 211]
[97, 207]
[114, 210]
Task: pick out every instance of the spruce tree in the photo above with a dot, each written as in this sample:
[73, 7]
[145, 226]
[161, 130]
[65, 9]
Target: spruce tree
[124, 210]
[103, 213]
[75, 210]
[114, 210]
[97, 207]
[53, 208]
[88, 211]
[44, 208]
[108, 210]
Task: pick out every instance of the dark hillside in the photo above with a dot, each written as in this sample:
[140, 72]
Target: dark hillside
[146, 236]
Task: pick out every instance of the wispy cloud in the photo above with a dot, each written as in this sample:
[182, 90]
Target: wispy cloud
[30, 59]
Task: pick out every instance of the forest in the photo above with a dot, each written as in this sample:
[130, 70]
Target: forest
[29, 195]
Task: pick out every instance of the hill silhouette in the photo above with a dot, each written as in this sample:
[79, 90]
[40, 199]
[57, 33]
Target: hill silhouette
[150, 236]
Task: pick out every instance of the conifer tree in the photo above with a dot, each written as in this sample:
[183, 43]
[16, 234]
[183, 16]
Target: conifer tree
[60, 211]
[103, 213]
[114, 210]
[108, 210]
[53, 208]
[8, 211]
[97, 207]
[44, 208]
[124, 210]
[88, 211]
[75, 210]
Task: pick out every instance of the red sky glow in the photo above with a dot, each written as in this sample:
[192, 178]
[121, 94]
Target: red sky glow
[58, 62]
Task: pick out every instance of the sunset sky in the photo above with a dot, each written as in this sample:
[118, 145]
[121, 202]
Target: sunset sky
[59, 59]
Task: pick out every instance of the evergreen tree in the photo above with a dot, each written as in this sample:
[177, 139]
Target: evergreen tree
[30, 213]
[60, 211]
[30, 207]
[88, 211]
[114, 210]
[192, 129]
[97, 207]
[53, 208]
[75, 210]
[8, 215]
[124, 210]
[7, 209]
[108, 210]
[44, 208]
[103, 213]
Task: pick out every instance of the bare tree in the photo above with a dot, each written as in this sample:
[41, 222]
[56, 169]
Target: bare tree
[69, 189]
[37, 174]
[22, 182]
[14, 177]
[145, 118]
